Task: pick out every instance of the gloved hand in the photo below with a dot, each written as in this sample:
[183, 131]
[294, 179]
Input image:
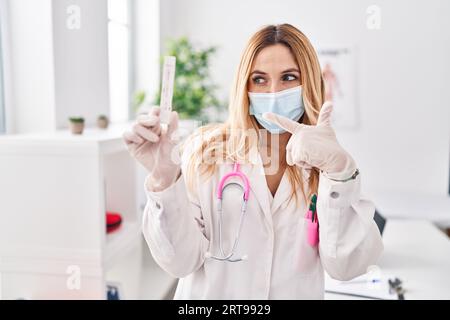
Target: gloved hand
[156, 148]
[316, 145]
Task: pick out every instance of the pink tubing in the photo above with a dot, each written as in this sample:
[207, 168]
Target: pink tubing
[235, 173]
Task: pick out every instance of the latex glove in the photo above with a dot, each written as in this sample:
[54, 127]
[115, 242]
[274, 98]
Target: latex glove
[156, 148]
[315, 145]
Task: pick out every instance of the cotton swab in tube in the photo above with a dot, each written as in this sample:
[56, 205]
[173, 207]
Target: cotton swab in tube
[168, 79]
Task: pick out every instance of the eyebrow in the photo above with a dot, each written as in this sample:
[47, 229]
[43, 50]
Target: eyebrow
[287, 70]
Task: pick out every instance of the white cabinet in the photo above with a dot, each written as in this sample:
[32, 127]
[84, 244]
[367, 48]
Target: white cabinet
[55, 189]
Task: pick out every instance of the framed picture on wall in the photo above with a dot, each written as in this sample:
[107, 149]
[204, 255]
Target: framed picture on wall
[338, 65]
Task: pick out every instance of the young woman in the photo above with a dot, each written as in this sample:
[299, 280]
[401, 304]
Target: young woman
[256, 240]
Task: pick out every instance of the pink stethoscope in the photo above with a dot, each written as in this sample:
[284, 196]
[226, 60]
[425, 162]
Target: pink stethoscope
[221, 187]
[313, 232]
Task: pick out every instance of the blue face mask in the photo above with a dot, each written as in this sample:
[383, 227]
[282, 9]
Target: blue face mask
[287, 103]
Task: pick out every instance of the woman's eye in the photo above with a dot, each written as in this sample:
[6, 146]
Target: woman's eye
[258, 80]
[289, 77]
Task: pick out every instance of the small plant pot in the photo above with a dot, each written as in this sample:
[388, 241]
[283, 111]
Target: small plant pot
[102, 123]
[76, 127]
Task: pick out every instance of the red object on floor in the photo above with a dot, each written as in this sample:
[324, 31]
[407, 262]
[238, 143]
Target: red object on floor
[113, 221]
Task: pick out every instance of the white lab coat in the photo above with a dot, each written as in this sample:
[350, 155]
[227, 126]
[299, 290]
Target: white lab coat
[180, 227]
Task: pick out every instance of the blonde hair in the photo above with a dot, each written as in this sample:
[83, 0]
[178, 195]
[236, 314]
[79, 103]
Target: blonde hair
[233, 140]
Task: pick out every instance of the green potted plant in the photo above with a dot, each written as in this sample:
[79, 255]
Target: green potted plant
[194, 90]
[76, 125]
[102, 121]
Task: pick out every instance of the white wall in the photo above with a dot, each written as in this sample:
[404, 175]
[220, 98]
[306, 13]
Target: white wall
[31, 95]
[81, 62]
[146, 46]
[402, 74]
[55, 72]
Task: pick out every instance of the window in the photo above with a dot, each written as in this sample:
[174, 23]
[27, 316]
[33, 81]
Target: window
[119, 59]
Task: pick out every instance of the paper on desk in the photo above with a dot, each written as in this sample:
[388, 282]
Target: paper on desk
[361, 286]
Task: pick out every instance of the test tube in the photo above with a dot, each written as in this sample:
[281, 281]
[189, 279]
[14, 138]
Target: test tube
[168, 78]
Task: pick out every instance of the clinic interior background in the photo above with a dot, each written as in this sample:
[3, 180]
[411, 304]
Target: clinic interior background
[400, 142]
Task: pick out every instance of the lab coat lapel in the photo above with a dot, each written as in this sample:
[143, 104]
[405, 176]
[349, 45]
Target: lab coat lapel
[284, 189]
[260, 190]
[258, 187]
[283, 192]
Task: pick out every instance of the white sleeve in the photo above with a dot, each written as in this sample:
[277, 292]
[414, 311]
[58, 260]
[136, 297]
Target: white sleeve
[173, 228]
[350, 240]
